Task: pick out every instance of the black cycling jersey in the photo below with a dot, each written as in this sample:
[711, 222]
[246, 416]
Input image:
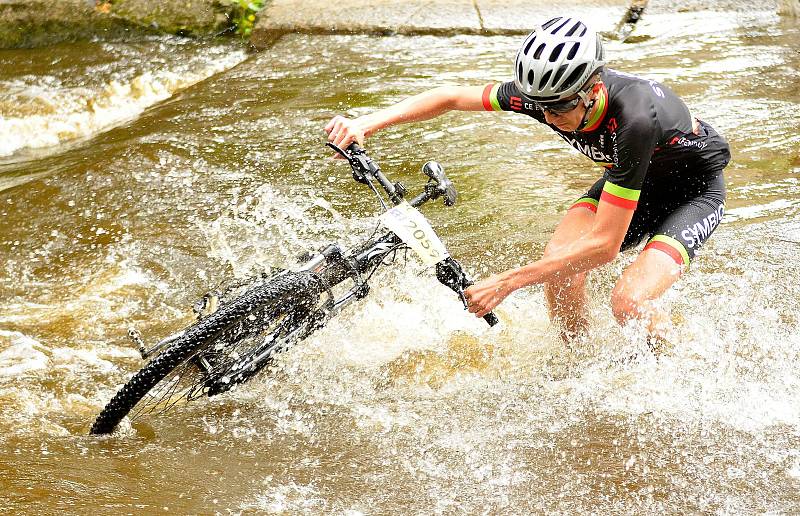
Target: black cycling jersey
[640, 129]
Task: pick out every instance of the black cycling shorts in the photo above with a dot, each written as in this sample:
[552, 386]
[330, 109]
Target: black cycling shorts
[676, 216]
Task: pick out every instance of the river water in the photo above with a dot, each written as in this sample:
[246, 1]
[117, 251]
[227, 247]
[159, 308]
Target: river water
[136, 175]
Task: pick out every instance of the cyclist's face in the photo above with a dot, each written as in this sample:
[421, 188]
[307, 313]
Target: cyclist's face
[568, 121]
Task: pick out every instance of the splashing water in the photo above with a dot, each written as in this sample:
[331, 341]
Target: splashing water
[404, 403]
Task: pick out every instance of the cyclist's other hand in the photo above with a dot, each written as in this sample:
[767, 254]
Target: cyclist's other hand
[343, 131]
[485, 295]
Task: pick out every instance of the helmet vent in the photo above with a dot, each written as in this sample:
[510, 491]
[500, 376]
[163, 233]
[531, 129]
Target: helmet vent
[574, 76]
[528, 46]
[556, 52]
[530, 77]
[550, 23]
[544, 79]
[573, 50]
[560, 72]
[539, 50]
[574, 28]
[554, 31]
[519, 72]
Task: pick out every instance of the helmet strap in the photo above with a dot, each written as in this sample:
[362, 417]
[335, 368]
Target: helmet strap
[589, 103]
[585, 98]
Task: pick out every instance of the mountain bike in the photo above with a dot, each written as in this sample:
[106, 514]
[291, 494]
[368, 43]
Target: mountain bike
[239, 331]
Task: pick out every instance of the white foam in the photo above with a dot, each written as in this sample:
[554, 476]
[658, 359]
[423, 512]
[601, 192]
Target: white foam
[20, 356]
[761, 210]
[794, 471]
[70, 113]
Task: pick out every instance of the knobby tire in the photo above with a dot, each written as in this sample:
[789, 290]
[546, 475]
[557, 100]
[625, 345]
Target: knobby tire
[296, 288]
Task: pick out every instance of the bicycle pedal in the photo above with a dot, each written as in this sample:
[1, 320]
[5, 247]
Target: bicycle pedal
[361, 291]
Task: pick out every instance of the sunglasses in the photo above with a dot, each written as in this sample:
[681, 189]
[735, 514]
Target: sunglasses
[565, 106]
[561, 107]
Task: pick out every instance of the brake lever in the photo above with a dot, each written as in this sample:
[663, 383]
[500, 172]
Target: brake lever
[359, 169]
[444, 187]
[340, 151]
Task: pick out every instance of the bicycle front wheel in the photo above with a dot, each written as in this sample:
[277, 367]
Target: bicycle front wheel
[184, 369]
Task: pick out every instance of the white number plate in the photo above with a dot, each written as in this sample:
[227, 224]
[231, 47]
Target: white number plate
[413, 228]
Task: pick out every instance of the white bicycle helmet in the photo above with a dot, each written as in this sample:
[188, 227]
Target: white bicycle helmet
[557, 59]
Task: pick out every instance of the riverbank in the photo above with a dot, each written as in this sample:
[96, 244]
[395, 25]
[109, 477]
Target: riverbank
[36, 23]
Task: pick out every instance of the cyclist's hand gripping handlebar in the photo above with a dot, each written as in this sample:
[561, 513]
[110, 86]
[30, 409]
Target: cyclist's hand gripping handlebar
[450, 274]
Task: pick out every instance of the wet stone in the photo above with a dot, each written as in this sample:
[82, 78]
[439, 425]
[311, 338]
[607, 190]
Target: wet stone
[379, 17]
[443, 17]
[510, 16]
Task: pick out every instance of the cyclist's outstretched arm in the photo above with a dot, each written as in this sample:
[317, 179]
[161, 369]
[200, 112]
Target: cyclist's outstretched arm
[343, 131]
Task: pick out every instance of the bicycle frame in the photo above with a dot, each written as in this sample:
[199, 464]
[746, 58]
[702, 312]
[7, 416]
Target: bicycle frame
[240, 329]
[333, 265]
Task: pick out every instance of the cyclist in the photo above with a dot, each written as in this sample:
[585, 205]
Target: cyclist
[663, 178]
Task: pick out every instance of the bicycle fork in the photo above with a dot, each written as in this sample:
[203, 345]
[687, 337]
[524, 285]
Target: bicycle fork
[333, 268]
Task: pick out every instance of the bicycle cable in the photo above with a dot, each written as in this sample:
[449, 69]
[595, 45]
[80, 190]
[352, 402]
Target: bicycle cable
[378, 195]
[393, 251]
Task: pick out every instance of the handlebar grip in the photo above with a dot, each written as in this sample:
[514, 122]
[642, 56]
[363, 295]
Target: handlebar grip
[491, 319]
[354, 147]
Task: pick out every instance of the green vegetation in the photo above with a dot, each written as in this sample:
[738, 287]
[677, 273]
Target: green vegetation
[242, 14]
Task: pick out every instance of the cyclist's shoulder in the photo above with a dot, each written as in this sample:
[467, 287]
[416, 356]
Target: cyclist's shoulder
[642, 102]
[505, 96]
[620, 79]
[626, 89]
[629, 89]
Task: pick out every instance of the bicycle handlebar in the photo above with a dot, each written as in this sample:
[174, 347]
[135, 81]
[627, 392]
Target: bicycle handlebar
[365, 168]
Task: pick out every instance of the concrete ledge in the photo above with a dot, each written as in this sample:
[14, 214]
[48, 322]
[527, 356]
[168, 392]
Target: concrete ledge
[417, 17]
[191, 16]
[521, 15]
[376, 17]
